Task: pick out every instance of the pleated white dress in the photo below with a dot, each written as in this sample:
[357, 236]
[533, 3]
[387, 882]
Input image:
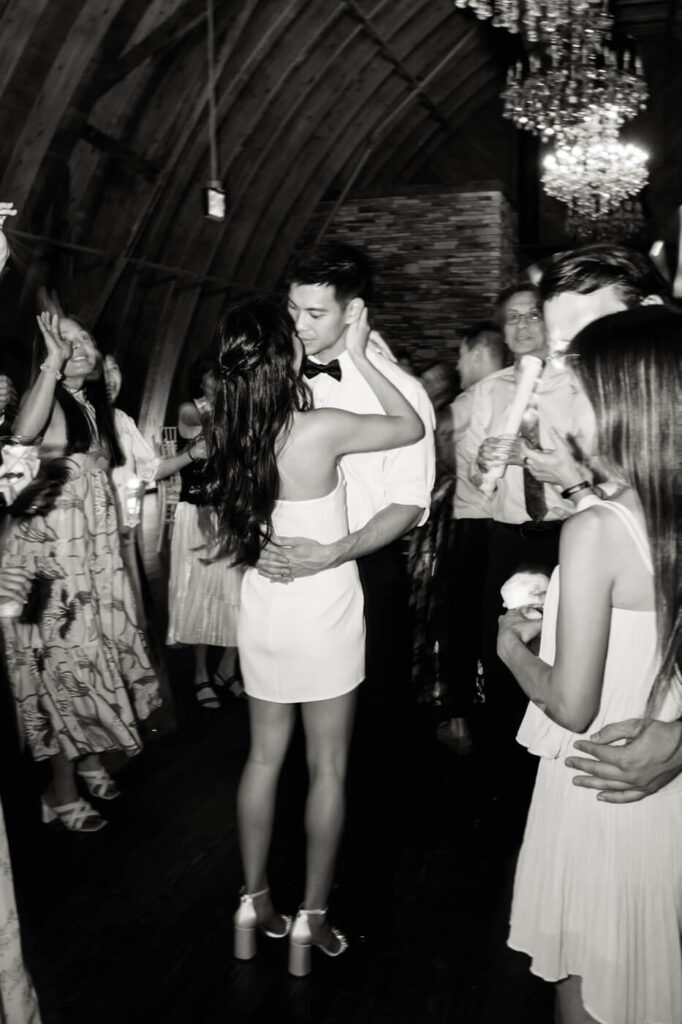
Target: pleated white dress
[598, 887]
[304, 640]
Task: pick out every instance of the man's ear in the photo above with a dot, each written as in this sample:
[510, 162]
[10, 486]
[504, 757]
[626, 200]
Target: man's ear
[354, 309]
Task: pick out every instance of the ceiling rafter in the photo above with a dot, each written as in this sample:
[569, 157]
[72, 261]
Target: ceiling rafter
[173, 30]
[387, 51]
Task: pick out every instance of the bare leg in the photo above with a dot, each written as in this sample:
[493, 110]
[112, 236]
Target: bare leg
[200, 663]
[227, 669]
[228, 662]
[271, 728]
[569, 1007]
[62, 788]
[328, 726]
[203, 690]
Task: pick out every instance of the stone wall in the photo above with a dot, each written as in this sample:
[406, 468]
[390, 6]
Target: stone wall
[440, 257]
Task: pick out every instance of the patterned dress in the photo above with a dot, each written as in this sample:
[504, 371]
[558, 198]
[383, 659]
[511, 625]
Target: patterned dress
[79, 670]
[18, 1004]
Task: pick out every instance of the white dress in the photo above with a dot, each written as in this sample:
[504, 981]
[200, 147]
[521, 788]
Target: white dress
[598, 887]
[304, 640]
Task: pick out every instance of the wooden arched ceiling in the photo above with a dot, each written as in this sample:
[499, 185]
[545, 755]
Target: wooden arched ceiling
[104, 143]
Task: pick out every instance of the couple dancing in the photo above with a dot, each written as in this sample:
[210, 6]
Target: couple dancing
[273, 473]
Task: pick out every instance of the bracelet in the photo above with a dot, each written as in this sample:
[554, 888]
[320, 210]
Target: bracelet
[570, 491]
[44, 368]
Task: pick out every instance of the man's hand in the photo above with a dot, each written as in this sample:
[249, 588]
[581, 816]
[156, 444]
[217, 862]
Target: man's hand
[499, 451]
[629, 772]
[556, 465]
[287, 558]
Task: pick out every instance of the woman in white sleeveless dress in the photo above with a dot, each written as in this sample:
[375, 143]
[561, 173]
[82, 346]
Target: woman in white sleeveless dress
[598, 889]
[273, 471]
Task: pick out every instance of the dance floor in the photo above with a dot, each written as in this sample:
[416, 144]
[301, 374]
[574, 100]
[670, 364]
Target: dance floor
[134, 923]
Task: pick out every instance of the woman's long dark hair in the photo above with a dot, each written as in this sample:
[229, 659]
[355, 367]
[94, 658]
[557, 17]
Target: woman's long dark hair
[78, 430]
[258, 393]
[630, 365]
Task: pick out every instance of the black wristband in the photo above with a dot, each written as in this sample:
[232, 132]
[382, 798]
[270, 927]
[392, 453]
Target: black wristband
[570, 491]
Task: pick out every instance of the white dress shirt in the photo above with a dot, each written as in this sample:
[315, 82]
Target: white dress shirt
[560, 403]
[470, 503]
[374, 480]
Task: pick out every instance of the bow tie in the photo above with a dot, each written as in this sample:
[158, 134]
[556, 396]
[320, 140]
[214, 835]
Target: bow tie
[311, 369]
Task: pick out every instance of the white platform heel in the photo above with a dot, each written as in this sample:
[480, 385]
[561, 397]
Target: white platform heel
[246, 924]
[301, 943]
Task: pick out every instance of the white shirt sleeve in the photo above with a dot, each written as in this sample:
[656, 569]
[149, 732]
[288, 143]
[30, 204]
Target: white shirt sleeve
[410, 472]
[139, 454]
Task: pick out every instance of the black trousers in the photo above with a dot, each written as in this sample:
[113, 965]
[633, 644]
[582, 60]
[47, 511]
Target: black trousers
[532, 547]
[462, 632]
[379, 770]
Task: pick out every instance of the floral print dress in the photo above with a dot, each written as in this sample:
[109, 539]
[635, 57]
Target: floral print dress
[80, 671]
[18, 1003]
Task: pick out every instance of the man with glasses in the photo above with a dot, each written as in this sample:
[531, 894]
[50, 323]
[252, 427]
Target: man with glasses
[526, 513]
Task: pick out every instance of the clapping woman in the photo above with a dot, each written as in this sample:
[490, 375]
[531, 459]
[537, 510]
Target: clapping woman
[80, 672]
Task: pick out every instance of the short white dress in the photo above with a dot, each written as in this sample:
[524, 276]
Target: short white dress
[598, 887]
[304, 640]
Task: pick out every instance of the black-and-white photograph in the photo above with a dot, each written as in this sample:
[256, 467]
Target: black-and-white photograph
[340, 511]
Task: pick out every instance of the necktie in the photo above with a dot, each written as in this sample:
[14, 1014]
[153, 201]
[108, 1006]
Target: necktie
[533, 490]
[311, 369]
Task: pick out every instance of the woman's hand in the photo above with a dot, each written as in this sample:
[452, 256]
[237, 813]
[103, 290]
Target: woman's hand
[58, 350]
[6, 210]
[357, 333]
[15, 584]
[557, 465]
[515, 625]
[198, 450]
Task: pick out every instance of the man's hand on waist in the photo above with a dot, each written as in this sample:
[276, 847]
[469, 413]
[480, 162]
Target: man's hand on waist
[287, 558]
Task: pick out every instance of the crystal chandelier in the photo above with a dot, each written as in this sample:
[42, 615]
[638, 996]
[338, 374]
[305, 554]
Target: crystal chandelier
[597, 172]
[552, 101]
[540, 21]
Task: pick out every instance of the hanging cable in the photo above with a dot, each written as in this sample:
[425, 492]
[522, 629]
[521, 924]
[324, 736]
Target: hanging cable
[214, 194]
[210, 54]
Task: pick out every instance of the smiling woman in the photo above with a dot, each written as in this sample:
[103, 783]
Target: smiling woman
[80, 672]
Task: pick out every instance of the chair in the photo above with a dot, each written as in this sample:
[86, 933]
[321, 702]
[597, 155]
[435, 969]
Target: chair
[168, 490]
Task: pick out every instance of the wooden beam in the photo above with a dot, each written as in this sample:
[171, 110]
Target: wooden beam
[175, 28]
[218, 283]
[386, 51]
[108, 144]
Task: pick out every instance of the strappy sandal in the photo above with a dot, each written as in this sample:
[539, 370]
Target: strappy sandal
[232, 683]
[246, 923]
[99, 783]
[301, 942]
[206, 696]
[78, 816]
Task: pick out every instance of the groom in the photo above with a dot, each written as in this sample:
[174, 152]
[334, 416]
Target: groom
[388, 493]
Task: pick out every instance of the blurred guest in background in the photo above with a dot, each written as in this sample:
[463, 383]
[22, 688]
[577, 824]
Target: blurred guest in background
[482, 352]
[203, 595]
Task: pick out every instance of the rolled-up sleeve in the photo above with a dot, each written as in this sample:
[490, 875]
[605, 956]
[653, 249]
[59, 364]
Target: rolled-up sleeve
[410, 472]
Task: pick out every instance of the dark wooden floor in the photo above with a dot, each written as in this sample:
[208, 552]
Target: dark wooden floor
[134, 923]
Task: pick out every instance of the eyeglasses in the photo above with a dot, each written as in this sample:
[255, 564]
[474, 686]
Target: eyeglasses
[514, 318]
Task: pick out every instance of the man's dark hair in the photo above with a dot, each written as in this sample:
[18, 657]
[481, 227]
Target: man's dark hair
[591, 267]
[343, 267]
[518, 288]
[487, 335]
